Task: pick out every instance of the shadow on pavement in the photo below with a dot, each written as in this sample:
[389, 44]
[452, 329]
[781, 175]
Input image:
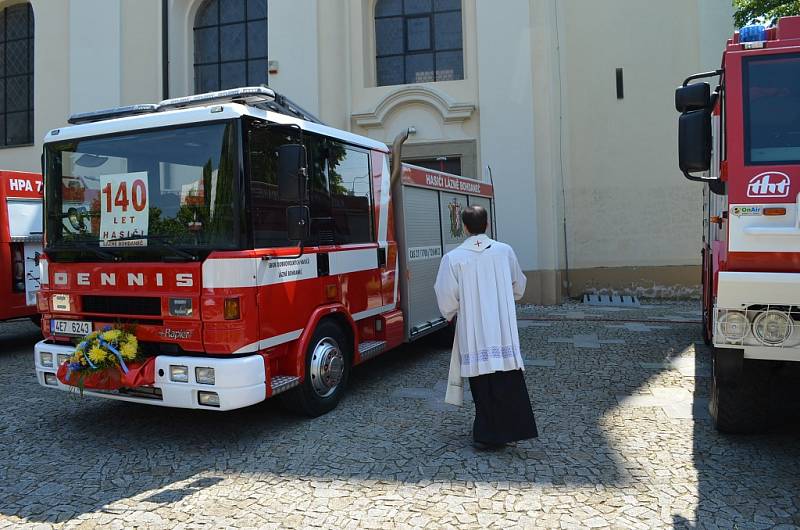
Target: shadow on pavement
[66, 456]
[744, 480]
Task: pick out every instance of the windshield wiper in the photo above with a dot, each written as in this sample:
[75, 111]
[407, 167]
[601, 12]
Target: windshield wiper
[77, 245]
[162, 242]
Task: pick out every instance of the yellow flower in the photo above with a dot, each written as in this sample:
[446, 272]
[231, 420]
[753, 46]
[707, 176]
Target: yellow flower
[111, 336]
[97, 354]
[128, 350]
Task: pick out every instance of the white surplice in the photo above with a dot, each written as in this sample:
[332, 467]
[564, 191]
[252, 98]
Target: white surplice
[479, 281]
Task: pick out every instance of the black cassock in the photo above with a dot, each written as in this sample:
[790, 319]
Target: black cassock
[503, 410]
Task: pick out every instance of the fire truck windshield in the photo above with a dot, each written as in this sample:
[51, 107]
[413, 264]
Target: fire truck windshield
[143, 195]
[772, 109]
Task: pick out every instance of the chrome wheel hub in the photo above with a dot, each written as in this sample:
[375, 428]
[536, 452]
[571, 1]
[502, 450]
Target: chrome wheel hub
[327, 367]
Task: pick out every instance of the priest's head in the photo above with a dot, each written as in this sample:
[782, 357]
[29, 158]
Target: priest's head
[475, 219]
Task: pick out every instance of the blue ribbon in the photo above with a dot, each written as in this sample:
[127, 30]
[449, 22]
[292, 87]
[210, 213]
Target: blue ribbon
[82, 349]
[116, 352]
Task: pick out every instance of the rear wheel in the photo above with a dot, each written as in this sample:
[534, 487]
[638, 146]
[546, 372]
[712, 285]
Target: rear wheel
[328, 360]
[740, 405]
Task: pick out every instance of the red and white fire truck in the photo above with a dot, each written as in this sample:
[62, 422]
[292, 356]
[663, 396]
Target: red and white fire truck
[20, 243]
[742, 140]
[255, 250]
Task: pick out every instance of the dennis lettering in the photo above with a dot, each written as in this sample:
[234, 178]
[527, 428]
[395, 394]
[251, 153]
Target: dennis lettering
[131, 279]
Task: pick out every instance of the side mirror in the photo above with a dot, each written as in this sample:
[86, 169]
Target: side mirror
[693, 97]
[292, 172]
[298, 221]
[694, 141]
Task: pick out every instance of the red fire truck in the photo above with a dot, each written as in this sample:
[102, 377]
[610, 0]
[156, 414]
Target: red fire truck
[254, 250]
[742, 139]
[20, 243]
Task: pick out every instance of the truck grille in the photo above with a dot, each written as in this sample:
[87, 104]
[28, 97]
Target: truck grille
[122, 305]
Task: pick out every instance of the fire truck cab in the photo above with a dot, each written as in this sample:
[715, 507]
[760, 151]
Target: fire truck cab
[20, 243]
[254, 250]
[741, 138]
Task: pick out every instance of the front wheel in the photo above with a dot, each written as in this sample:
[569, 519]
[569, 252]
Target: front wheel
[741, 406]
[328, 360]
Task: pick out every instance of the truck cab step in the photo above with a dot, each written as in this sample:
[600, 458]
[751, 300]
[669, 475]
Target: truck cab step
[282, 383]
[370, 348]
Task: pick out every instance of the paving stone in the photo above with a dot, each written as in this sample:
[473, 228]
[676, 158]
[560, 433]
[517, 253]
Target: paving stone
[625, 442]
[585, 341]
[636, 326]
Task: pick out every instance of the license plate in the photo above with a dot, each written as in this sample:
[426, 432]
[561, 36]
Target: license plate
[75, 328]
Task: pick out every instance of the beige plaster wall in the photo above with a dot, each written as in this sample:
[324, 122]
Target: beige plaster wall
[50, 69]
[141, 52]
[627, 204]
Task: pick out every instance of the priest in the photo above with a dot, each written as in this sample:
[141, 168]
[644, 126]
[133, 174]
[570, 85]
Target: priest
[478, 282]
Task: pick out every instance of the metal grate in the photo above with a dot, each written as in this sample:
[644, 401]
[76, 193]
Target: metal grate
[122, 305]
[610, 300]
[282, 383]
[371, 348]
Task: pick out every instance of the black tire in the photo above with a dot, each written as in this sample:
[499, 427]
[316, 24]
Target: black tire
[36, 320]
[308, 399]
[741, 407]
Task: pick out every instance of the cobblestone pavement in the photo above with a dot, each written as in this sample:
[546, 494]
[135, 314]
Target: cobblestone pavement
[620, 398]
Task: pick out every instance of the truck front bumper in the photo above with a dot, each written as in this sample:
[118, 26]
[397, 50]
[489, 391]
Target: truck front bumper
[752, 295]
[238, 382]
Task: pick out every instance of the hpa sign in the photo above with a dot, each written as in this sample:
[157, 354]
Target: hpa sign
[769, 184]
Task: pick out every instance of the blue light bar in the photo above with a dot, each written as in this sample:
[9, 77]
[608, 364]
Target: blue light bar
[250, 95]
[107, 114]
[753, 33]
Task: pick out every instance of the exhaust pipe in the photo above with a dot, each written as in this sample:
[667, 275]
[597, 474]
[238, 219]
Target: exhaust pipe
[397, 151]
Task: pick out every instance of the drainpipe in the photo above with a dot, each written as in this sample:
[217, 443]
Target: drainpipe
[397, 151]
[165, 49]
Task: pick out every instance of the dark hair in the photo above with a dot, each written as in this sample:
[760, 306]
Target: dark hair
[475, 219]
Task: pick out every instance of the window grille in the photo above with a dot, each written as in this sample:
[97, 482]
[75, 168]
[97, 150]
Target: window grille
[16, 75]
[418, 41]
[230, 45]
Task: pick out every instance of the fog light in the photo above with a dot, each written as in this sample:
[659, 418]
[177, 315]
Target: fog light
[62, 358]
[772, 327]
[179, 373]
[733, 326]
[50, 379]
[209, 399]
[204, 375]
[231, 309]
[180, 307]
[46, 359]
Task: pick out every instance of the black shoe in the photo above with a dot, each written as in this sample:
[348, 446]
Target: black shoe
[482, 446]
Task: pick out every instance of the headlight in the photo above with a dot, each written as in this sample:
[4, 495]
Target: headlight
[62, 358]
[46, 359]
[179, 373]
[733, 326]
[50, 379]
[180, 307]
[209, 399]
[772, 327]
[204, 376]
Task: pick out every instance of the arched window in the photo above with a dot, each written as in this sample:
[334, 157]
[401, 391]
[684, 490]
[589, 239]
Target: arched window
[418, 41]
[16, 75]
[230, 44]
